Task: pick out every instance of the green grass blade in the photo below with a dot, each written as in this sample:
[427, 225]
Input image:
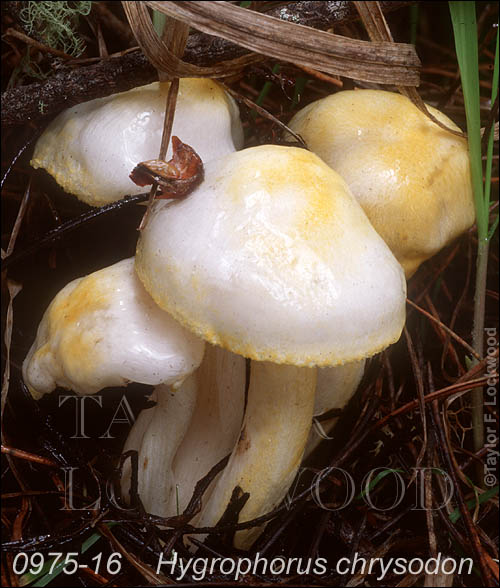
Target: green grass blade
[463, 16]
[489, 150]
[266, 87]
[265, 90]
[159, 20]
[300, 84]
[380, 476]
[456, 514]
[414, 17]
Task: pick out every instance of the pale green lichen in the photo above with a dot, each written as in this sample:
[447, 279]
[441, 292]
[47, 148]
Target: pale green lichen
[55, 24]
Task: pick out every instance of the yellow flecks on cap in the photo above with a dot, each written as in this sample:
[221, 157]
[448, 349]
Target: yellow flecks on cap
[197, 89]
[71, 174]
[293, 185]
[269, 239]
[411, 177]
[67, 327]
[88, 296]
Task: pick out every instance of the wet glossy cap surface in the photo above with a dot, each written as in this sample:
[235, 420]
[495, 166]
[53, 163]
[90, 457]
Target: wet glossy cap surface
[410, 176]
[105, 330]
[271, 257]
[90, 149]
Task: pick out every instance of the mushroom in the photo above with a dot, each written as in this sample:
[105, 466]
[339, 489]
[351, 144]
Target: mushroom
[272, 258]
[105, 330]
[90, 149]
[411, 177]
[188, 432]
[334, 388]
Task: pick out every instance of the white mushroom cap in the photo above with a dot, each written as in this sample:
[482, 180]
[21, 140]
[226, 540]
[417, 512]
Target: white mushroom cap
[90, 149]
[271, 257]
[105, 330]
[411, 177]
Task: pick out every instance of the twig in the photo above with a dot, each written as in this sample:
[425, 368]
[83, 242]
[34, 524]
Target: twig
[263, 112]
[448, 391]
[445, 328]
[28, 456]
[471, 531]
[168, 121]
[40, 46]
[71, 225]
[18, 221]
[146, 571]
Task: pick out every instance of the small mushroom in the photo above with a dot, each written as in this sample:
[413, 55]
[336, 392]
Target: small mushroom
[411, 177]
[105, 330]
[90, 149]
[271, 257]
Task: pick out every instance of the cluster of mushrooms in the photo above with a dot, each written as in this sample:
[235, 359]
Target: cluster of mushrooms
[294, 259]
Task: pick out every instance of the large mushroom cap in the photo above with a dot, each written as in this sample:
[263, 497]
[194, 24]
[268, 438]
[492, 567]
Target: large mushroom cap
[105, 330]
[410, 176]
[90, 149]
[273, 258]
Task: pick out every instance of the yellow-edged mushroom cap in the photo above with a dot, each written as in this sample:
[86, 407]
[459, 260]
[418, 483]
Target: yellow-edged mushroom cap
[105, 330]
[90, 149]
[410, 176]
[272, 258]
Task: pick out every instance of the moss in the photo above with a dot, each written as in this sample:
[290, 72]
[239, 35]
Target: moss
[55, 24]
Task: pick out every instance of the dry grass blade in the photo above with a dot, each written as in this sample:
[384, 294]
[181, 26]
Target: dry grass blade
[374, 21]
[448, 391]
[378, 30]
[10, 32]
[472, 533]
[14, 290]
[164, 59]
[168, 122]
[384, 63]
[27, 456]
[174, 37]
[17, 223]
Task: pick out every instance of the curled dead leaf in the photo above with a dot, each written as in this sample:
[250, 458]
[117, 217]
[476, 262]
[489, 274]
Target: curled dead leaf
[175, 178]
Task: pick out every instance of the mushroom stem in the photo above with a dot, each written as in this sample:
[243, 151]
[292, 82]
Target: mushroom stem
[156, 435]
[188, 431]
[334, 388]
[272, 440]
[216, 421]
